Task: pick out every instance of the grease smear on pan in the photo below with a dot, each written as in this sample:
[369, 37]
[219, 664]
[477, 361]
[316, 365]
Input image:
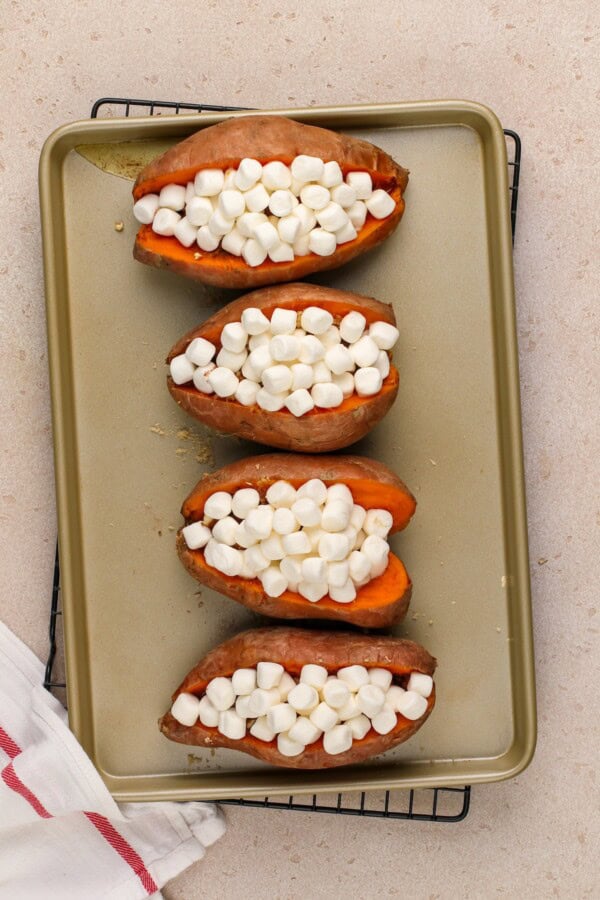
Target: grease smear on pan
[275, 211]
[339, 707]
[297, 361]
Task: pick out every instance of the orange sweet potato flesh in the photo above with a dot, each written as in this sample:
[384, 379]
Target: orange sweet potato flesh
[378, 604]
[293, 648]
[320, 430]
[264, 138]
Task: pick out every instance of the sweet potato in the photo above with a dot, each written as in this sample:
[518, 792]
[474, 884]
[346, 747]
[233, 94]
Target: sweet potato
[264, 138]
[318, 431]
[378, 604]
[293, 648]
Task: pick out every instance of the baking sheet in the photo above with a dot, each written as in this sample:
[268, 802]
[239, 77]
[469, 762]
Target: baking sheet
[126, 456]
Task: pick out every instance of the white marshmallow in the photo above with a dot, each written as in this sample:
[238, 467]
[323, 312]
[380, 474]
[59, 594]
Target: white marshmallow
[344, 194]
[218, 505]
[281, 493]
[382, 364]
[342, 492]
[209, 182]
[307, 512]
[284, 347]
[357, 213]
[358, 516]
[283, 323]
[365, 351]
[307, 168]
[281, 717]
[333, 547]
[296, 544]
[351, 534]
[380, 204]
[301, 245]
[302, 376]
[231, 725]
[291, 568]
[346, 233]
[381, 677]
[315, 320]
[196, 535]
[276, 176]
[260, 340]
[200, 351]
[288, 747]
[242, 707]
[145, 208]
[172, 196]
[234, 337]
[367, 381]
[338, 740]
[208, 715]
[246, 392]
[420, 684]
[262, 700]
[327, 395]
[336, 515]
[181, 369]
[248, 222]
[186, 709]
[311, 350]
[303, 698]
[376, 550]
[345, 382]
[224, 559]
[206, 240]
[324, 717]
[315, 196]
[360, 727]
[331, 337]
[219, 225]
[344, 594]
[284, 521]
[315, 489]
[277, 378]
[255, 560]
[243, 681]
[370, 699]
[321, 373]
[273, 582]
[332, 217]
[393, 696]
[220, 693]
[385, 721]
[201, 378]
[361, 183]
[299, 402]
[223, 381]
[378, 521]
[256, 199]
[231, 360]
[314, 535]
[331, 176]
[190, 192]
[198, 211]
[354, 676]
[229, 180]
[261, 730]
[272, 548]
[259, 521]
[336, 693]
[225, 531]
[281, 203]
[338, 573]
[314, 675]
[304, 731]
[349, 710]
[384, 334]
[288, 228]
[165, 221]
[261, 359]
[321, 242]
[286, 684]
[234, 242]
[266, 235]
[254, 321]
[307, 218]
[247, 174]
[339, 359]
[314, 570]
[268, 675]
[313, 592]
[270, 402]
[352, 327]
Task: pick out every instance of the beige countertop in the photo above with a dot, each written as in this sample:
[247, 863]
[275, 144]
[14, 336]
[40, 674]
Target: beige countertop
[536, 65]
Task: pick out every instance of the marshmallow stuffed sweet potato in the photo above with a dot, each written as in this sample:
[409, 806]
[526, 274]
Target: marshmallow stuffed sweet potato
[301, 537]
[263, 199]
[304, 699]
[299, 367]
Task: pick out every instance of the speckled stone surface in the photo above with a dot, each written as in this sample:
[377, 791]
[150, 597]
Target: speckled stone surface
[536, 65]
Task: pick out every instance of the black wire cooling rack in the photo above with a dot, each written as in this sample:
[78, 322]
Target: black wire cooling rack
[429, 805]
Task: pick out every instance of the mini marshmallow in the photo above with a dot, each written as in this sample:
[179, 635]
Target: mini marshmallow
[231, 725]
[281, 203]
[385, 721]
[324, 717]
[344, 594]
[349, 710]
[315, 197]
[307, 168]
[340, 492]
[289, 228]
[357, 213]
[376, 550]
[284, 521]
[331, 337]
[207, 713]
[314, 535]
[261, 730]
[311, 591]
[206, 240]
[260, 358]
[288, 747]
[200, 351]
[256, 199]
[186, 709]
[284, 347]
[201, 382]
[145, 208]
[384, 335]
[272, 548]
[337, 740]
[190, 193]
[299, 402]
[361, 183]
[209, 182]
[315, 320]
[338, 573]
[360, 727]
[370, 699]
[336, 693]
[281, 252]
[331, 176]
[332, 217]
[262, 700]
[286, 684]
[327, 396]
[242, 707]
[296, 544]
[345, 382]
[165, 221]
[218, 224]
[277, 378]
[229, 180]
[358, 516]
[336, 515]
[283, 322]
[339, 359]
[268, 675]
[344, 194]
[314, 570]
[365, 351]
[196, 535]
[223, 558]
[281, 717]
[291, 568]
[181, 369]
[380, 204]
[223, 381]
[311, 350]
[218, 505]
[225, 531]
[276, 176]
[307, 512]
[255, 559]
[246, 392]
[231, 360]
[306, 217]
[243, 681]
[315, 489]
[247, 174]
[378, 521]
[304, 731]
[352, 327]
[259, 521]
[380, 677]
[281, 493]
[198, 211]
[321, 242]
[266, 235]
[273, 582]
[382, 364]
[248, 222]
[254, 321]
[367, 381]
[234, 242]
[314, 675]
[420, 684]
[321, 373]
[354, 676]
[393, 697]
[346, 233]
[334, 547]
[270, 402]
[220, 693]
[303, 698]
[302, 376]
[172, 196]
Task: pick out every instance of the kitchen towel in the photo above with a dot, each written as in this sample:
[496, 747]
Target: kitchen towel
[61, 833]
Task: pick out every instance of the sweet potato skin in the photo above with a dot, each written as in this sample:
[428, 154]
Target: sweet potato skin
[319, 431]
[293, 647]
[263, 138]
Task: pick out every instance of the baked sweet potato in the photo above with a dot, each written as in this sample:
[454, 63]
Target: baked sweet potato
[264, 138]
[293, 648]
[381, 602]
[318, 431]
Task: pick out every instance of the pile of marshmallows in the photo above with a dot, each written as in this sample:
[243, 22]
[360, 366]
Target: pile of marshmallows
[297, 361]
[314, 541]
[274, 210]
[341, 708]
